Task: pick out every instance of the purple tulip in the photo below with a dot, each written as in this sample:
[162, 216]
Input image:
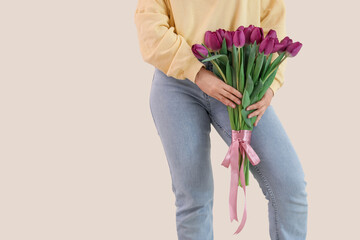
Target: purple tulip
[293, 49]
[251, 27]
[220, 33]
[239, 38]
[267, 45]
[257, 34]
[281, 47]
[272, 34]
[276, 41]
[229, 39]
[241, 28]
[212, 41]
[247, 32]
[199, 50]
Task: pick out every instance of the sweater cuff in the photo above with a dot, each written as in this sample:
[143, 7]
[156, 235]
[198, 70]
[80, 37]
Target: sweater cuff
[275, 85]
[194, 66]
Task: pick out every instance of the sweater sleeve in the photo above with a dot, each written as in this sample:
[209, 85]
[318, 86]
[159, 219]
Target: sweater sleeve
[159, 43]
[273, 17]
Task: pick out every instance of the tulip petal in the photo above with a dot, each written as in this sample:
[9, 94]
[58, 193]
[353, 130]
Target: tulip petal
[293, 49]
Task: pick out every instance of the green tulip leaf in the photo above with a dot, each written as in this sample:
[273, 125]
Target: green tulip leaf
[223, 49]
[235, 58]
[268, 83]
[231, 116]
[228, 74]
[217, 73]
[234, 78]
[245, 114]
[236, 117]
[245, 99]
[242, 74]
[222, 57]
[251, 59]
[266, 66]
[249, 84]
[258, 65]
[253, 120]
[275, 63]
[254, 95]
[246, 51]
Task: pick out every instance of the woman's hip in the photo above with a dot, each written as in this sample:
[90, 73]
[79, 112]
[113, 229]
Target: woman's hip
[172, 92]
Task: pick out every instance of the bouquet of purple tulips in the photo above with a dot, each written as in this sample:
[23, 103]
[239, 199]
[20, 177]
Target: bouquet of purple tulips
[244, 60]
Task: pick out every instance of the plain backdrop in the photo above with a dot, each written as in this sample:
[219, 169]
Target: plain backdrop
[80, 157]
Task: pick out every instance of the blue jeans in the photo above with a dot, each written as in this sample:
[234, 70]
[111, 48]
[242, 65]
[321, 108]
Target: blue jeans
[183, 115]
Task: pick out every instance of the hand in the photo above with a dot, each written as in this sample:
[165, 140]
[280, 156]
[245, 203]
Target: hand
[261, 106]
[209, 83]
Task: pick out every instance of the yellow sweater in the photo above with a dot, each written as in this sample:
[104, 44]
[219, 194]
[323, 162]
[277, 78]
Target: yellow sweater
[168, 28]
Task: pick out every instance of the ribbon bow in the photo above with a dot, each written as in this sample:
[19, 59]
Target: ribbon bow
[240, 142]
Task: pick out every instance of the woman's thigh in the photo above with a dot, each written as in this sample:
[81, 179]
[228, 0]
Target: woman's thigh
[183, 125]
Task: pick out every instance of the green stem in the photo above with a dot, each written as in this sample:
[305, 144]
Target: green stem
[214, 63]
[283, 59]
[247, 170]
[218, 68]
[275, 68]
[240, 116]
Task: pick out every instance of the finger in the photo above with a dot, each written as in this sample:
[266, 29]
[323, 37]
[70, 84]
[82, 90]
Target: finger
[225, 100]
[256, 105]
[230, 96]
[255, 113]
[258, 119]
[232, 90]
[260, 115]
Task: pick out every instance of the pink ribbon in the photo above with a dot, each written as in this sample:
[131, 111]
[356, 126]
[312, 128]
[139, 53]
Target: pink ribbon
[240, 142]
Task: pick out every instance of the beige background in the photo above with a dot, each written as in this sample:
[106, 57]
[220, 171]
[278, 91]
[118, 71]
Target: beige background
[80, 155]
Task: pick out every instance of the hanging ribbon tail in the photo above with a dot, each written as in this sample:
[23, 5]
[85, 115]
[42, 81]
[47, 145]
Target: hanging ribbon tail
[242, 179]
[234, 181]
[232, 159]
[233, 149]
[250, 152]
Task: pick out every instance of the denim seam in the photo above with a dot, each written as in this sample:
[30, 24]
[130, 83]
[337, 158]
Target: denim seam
[223, 129]
[272, 196]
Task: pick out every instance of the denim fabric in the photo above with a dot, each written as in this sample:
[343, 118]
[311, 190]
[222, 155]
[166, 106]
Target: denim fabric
[183, 115]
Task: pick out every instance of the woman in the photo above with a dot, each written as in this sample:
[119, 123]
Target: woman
[186, 98]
